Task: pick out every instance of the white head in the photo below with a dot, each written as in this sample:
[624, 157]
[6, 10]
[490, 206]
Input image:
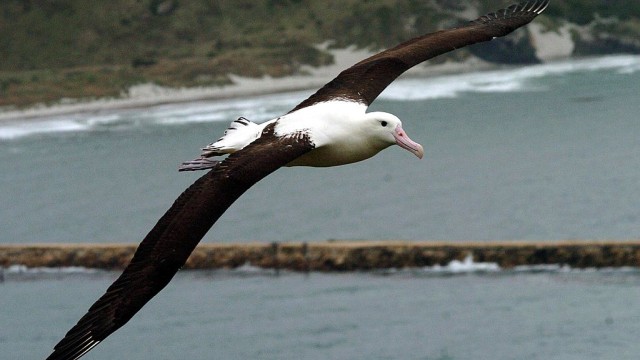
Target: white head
[386, 129]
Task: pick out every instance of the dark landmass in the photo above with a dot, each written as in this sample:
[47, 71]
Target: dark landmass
[340, 255]
[75, 49]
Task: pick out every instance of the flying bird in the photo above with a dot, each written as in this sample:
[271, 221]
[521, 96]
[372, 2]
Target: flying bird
[329, 128]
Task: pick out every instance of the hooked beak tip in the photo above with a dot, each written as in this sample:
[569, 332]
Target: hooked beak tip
[419, 152]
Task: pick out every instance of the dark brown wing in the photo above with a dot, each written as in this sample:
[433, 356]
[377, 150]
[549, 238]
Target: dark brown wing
[364, 81]
[168, 245]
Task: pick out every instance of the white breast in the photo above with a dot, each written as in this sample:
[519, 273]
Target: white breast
[334, 129]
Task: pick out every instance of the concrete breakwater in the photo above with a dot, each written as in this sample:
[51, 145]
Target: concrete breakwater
[339, 255]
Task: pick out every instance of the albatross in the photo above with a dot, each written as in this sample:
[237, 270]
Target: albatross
[330, 128]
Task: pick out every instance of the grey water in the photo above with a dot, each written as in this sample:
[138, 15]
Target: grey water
[407, 315]
[535, 153]
[545, 152]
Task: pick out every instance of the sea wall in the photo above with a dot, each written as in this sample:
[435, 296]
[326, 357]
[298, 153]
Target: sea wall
[339, 255]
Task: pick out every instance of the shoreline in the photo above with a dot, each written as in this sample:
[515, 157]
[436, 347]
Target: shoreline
[339, 255]
[550, 46]
[150, 95]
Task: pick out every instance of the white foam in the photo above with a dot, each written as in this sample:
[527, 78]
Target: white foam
[22, 269]
[542, 268]
[249, 269]
[17, 130]
[505, 80]
[468, 266]
[465, 266]
[564, 268]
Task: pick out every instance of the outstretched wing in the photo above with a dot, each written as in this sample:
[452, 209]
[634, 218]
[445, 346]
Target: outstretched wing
[364, 81]
[168, 245]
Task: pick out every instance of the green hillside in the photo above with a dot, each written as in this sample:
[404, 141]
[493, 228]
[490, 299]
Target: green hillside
[50, 49]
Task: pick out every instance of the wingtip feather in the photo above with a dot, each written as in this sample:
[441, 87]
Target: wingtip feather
[73, 350]
[522, 8]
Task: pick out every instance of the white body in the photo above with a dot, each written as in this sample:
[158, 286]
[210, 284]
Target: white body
[342, 133]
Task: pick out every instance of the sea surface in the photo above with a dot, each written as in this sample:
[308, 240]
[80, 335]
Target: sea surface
[544, 152]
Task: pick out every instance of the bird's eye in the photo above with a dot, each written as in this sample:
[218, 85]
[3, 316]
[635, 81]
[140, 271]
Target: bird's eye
[383, 123]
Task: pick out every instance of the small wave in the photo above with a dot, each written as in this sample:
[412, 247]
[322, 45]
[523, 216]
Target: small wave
[461, 267]
[563, 268]
[22, 269]
[504, 80]
[24, 273]
[542, 268]
[249, 269]
[18, 130]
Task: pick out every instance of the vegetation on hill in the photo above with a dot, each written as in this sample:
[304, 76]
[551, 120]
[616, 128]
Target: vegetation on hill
[52, 49]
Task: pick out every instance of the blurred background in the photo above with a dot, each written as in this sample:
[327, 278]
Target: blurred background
[53, 49]
[531, 137]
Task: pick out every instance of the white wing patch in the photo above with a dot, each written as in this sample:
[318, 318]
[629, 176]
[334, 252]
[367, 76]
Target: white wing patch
[239, 134]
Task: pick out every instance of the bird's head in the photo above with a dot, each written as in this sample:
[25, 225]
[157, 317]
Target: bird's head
[387, 129]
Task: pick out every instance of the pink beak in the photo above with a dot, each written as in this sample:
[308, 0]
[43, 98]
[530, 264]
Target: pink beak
[403, 140]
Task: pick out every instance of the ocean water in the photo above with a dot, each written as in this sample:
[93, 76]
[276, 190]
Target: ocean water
[545, 152]
[535, 153]
[407, 314]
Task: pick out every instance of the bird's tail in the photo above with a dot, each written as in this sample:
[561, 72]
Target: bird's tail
[200, 163]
